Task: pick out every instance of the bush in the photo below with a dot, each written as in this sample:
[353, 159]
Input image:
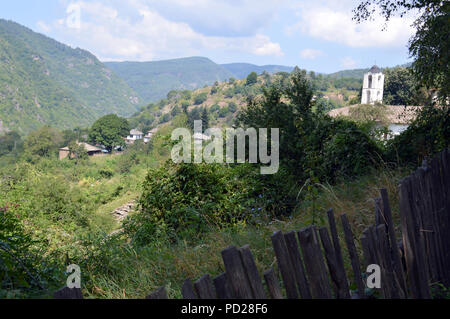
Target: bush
[223, 112]
[232, 107]
[200, 98]
[427, 135]
[23, 271]
[252, 79]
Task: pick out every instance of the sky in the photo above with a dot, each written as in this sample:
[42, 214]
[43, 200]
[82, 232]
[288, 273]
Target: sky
[314, 35]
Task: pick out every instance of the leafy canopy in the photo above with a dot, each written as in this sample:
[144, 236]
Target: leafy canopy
[109, 131]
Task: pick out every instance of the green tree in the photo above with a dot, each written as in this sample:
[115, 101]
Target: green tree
[11, 142]
[109, 131]
[77, 151]
[200, 98]
[429, 46]
[252, 78]
[205, 118]
[401, 88]
[43, 142]
[232, 107]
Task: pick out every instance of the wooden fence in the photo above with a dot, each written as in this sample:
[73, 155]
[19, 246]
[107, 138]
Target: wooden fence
[311, 264]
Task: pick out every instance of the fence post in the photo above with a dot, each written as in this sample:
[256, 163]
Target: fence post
[398, 267]
[353, 255]
[337, 246]
[204, 288]
[272, 284]
[158, 294]
[413, 245]
[236, 273]
[252, 273]
[338, 277]
[314, 263]
[285, 265]
[68, 293]
[223, 288]
[187, 291]
[297, 264]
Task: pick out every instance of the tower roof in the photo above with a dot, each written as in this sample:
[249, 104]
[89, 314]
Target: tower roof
[375, 69]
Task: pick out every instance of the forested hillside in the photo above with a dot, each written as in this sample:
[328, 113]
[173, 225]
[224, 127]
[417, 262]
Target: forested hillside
[45, 82]
[152, 80]
[220, 102]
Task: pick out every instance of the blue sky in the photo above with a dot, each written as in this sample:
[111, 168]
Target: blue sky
[315, 35]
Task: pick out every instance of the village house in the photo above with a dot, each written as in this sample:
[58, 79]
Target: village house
[135, 135]
[90, 149]
[150, 135]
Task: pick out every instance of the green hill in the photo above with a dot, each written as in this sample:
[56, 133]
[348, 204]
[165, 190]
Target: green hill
[153, 80]
[44, 82]
[356, 73]
[242, 70]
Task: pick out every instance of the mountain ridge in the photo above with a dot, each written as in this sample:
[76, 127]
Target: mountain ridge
[154, 79]
[45, 82]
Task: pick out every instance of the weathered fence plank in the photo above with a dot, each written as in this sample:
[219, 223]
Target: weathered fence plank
[187, 290]
[223, 288]
[285, 265]
[387, 214]
[338, 277]
[413, 245]
[252, 273]
[314, 264]
[337, 246]
[379, 218]
[204, 288]
[68, 293]
[388, 281]
[353, 255]
[297, 264]
[161, 293]
[272, 284]
[236, 274]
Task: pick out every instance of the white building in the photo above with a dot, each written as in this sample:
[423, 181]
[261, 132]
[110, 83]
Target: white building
[373, 87]
[150, 135]
[134, 136]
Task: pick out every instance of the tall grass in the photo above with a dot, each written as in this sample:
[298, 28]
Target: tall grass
[135, 272]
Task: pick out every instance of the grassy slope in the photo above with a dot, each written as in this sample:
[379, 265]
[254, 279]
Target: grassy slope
[138, 272]
[45, 82]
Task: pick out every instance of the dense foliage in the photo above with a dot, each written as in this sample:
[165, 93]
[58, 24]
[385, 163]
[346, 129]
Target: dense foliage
[427, 135]
[109, 131]
[310, 141]
[401, 88]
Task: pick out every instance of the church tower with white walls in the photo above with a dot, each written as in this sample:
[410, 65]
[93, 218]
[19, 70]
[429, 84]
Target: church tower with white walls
[373, 87]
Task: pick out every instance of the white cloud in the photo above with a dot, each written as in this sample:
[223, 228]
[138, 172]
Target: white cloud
[349, 63]
[149, 35]
[337, 26]
[230, 18]
[310, 54]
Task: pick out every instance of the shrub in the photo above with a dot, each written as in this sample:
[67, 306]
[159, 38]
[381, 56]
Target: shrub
[427, 135]
[200, 98]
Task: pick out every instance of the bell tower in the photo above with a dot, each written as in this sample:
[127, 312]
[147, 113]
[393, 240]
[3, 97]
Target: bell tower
[373, 87]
